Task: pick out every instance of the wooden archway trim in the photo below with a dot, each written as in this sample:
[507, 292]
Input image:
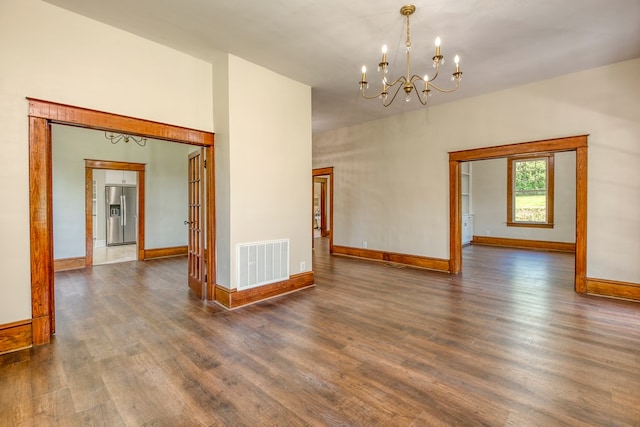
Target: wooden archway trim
[41, 115]
[572, 143]
[93, 119]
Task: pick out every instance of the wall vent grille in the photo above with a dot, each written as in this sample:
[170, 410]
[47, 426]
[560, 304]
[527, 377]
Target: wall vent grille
[261, 263]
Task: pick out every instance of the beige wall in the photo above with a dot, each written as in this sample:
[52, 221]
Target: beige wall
[49, 53]
[489, 186]
[263, 162]
[269, 160]
[391, 175]
[222, 172]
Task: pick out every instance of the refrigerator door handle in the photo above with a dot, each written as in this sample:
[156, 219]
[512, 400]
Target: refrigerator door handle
[124, 209]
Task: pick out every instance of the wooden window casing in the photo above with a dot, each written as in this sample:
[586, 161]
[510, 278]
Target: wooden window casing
[548, 222]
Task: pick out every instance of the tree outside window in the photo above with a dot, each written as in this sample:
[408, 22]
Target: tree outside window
[530, 191]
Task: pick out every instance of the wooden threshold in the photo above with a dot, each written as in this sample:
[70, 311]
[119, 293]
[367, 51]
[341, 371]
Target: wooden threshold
[232, 299]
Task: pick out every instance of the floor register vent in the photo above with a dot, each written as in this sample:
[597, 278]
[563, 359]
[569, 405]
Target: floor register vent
[261, 263]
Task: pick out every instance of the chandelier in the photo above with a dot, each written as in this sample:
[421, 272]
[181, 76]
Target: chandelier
[117, 137]
[408, 82]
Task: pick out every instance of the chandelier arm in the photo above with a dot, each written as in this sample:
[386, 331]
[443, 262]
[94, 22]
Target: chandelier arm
[116, 138]
[426, 98]
[431, 85]
[401, 79]
[435, 75]
[370, 96]
[113, 138]
[141, 141]
[386, 104]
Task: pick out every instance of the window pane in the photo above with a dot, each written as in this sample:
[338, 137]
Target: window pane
[530, 208]
[530, 191]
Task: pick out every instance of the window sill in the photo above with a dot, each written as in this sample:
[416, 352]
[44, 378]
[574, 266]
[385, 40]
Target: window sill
[530, 224]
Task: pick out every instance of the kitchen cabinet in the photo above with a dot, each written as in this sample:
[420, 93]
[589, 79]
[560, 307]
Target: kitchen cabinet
[120, 177]
[467, 229]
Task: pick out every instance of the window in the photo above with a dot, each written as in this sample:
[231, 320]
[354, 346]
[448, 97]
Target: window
[530, 191]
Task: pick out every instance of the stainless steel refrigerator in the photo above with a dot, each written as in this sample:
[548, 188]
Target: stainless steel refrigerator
[121, 210]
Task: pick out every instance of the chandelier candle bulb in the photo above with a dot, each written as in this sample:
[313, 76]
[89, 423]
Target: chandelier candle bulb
[364, 74]
[438, 41]
[383, 65]
[457, 61]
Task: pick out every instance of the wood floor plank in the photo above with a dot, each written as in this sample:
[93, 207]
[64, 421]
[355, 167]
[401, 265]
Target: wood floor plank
[506, 342]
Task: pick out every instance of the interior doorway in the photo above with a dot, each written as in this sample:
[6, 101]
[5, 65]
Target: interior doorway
[105, 253]
[41, 115]
[322, 205]
[577, 144]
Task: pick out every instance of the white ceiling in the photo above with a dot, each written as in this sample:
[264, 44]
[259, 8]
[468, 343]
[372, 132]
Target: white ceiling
[324, 43]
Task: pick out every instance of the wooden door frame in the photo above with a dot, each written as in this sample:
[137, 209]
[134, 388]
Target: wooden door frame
[41, 115]
[574, 143]
[328, 171]
[89, 166]
[323, 204]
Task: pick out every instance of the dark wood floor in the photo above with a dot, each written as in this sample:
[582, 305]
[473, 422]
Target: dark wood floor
[507, 342]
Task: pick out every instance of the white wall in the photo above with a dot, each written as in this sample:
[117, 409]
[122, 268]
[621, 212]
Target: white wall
[52, 54]
[391, 175]
[165, 184]
[269, 162]
[489, 186]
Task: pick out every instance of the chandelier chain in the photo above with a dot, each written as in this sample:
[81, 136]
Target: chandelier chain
[408, 33]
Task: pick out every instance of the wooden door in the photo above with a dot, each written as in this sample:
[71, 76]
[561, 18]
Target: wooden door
[195, 222]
